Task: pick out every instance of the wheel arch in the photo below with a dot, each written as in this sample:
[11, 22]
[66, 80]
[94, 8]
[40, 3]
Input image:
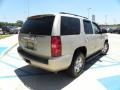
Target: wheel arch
[82, 49]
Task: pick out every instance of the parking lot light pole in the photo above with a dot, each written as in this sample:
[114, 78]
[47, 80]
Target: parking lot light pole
[28, 7]
[106, 20]
[89, 12]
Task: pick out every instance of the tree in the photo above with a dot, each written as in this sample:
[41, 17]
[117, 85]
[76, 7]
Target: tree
[1, 24]
[19, 23]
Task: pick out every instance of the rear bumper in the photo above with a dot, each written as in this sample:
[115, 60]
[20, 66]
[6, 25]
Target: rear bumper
[51, 64]
[29, 56]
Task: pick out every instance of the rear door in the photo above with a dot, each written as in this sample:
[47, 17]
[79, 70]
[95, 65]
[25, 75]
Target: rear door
[35, 35]
[70, 34]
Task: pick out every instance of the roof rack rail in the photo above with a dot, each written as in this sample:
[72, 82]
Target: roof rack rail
[73, 14]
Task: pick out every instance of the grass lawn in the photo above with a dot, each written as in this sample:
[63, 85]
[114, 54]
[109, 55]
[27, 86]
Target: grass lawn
[4, 36]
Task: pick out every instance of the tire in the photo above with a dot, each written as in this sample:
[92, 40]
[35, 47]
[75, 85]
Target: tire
[105, 48]
[77, 65]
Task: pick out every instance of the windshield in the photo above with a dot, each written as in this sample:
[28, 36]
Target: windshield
[38, 26]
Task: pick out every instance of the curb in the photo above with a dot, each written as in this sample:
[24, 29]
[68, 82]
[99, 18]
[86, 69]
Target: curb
[7, 50]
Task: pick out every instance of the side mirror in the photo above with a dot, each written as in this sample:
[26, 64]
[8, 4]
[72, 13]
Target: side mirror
[103, 31]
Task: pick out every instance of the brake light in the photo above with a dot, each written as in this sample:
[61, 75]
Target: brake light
[56, 46]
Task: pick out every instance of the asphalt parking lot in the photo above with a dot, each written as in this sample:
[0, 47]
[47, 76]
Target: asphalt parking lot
[102, 73]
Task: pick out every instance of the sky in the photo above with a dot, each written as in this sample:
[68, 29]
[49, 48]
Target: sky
[105, 11]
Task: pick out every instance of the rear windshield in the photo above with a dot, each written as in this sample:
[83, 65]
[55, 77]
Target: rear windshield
[38, 26]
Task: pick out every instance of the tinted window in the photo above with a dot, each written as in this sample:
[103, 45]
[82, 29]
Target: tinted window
[96, 28]
[39, 26]
[70, 26]
[87, 27]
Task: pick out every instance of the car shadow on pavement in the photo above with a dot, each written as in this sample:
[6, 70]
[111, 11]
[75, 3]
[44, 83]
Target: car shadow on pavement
[38, 79]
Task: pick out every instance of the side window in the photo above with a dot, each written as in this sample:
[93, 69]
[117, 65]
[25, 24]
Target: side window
[96, 28]
[87, 27]
[70, 26]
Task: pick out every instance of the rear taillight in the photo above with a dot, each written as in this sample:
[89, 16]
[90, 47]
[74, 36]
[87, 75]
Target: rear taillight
[56, 47]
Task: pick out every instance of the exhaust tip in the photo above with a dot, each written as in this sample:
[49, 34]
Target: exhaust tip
[28, 61]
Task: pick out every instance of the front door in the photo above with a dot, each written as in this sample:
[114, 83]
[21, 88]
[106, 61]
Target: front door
[89, 37]
[98, 36]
